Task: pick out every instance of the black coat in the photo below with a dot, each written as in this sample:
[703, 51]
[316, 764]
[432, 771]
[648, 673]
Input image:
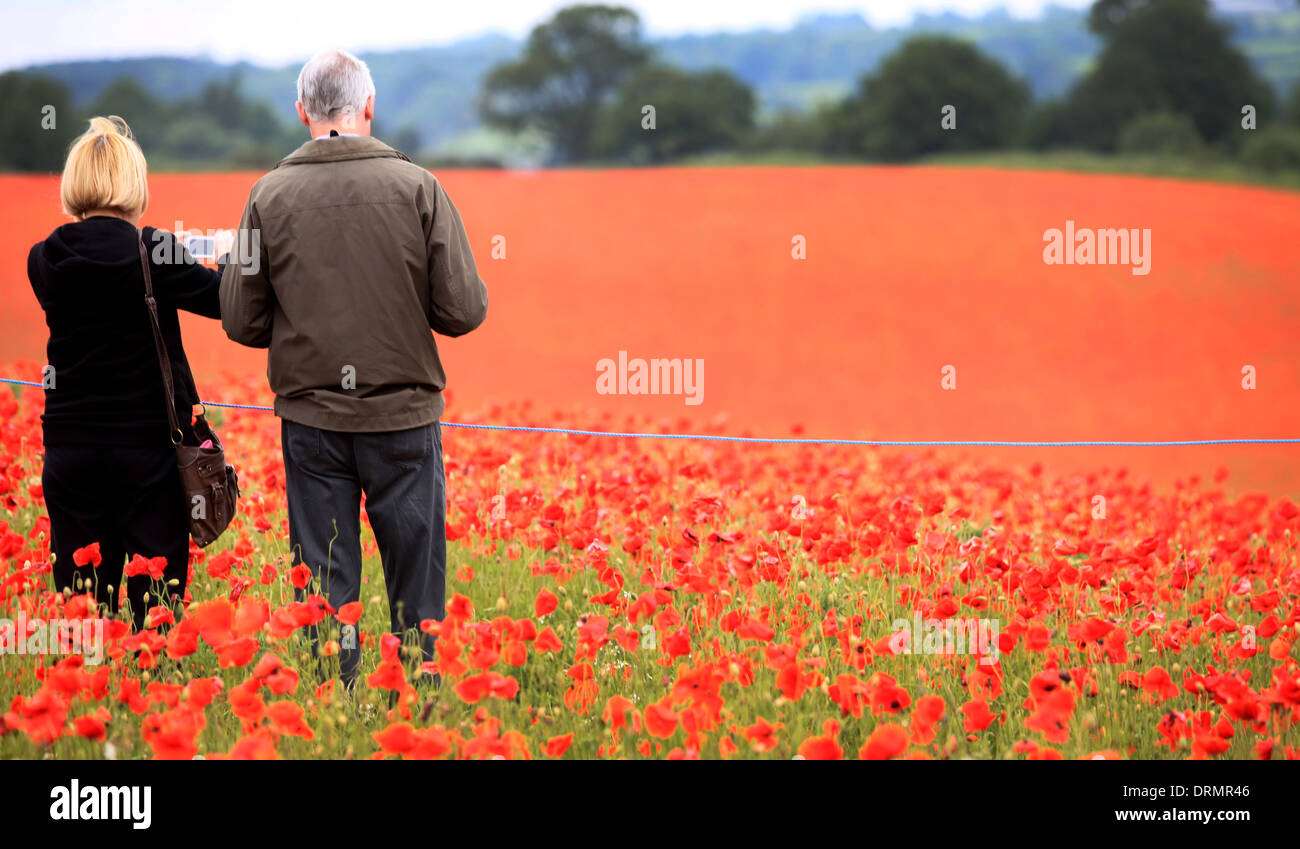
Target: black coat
[107, 385]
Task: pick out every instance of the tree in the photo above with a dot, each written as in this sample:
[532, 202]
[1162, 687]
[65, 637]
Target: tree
[148, 117]
[32, 137]
[693, 112]
[1163, 56]
[1161, 134]
[1291, 108]
[899, 111]
[1273, 149]
[570, 66]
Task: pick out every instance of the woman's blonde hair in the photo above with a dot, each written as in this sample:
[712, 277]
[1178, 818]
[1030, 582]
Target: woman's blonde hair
[105, 170]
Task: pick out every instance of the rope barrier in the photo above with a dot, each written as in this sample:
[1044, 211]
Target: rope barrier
[883, 443]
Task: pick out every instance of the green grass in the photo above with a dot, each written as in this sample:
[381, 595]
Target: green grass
[1211, 169]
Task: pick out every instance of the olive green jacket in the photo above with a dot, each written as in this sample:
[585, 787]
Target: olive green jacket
[347, 256]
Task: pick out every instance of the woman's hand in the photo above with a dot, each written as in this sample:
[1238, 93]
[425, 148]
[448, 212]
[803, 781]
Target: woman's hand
[223, 242]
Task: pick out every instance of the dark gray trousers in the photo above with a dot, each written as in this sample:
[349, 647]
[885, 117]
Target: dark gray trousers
[402, 476]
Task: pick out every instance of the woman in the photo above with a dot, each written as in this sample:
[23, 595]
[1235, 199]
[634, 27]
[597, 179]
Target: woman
[110, 469]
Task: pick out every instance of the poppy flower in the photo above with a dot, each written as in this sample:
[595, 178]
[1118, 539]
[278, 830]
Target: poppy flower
[398, 738]
[237, 652]
[484, 685]
[545, 603]
[257, 746]
[978, 716]
[887, 740]
[388, 675]
[762, 735]
[822, 748]
[1157, 683]
[88, 555]
[660, 720]
[350, 613]
[557, 746]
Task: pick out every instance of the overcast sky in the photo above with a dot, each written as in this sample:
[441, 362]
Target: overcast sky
[273, 32]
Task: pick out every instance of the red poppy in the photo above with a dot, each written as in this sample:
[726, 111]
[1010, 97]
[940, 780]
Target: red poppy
[88, 555]
[350, 613]
[557, 746]
[886, 741]
[545, 603]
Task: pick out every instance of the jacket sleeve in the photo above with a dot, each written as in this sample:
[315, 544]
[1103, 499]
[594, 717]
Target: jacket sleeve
[186, 285]
[247, 299]
[458, 297]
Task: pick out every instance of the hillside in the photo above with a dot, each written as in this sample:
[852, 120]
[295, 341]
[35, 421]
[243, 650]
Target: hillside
[432, 91]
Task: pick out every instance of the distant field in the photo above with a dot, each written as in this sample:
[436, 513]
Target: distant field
[907, 270]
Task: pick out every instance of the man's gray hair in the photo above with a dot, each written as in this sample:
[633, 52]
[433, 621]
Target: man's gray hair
[334, 83]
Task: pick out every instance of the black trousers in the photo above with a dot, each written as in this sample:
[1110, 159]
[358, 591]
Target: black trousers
[129, 500]
[402, 476]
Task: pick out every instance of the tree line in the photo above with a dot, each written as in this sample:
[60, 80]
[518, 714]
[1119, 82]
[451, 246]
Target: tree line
[217, 127]
[1168, 81]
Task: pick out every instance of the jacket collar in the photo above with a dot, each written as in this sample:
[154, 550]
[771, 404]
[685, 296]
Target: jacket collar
[339, 149]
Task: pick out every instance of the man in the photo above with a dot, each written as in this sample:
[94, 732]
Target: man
[361, 255]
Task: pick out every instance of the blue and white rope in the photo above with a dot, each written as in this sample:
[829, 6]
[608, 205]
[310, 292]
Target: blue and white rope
[886, 443]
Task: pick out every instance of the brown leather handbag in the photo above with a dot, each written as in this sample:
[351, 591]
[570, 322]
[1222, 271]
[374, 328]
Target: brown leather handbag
[210, 484]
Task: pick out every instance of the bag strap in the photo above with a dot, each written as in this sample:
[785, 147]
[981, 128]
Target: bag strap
[164, 361]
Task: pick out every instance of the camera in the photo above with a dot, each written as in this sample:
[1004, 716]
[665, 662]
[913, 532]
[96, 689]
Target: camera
[201, 247]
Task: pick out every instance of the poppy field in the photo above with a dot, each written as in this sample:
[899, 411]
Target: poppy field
[616, 597]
